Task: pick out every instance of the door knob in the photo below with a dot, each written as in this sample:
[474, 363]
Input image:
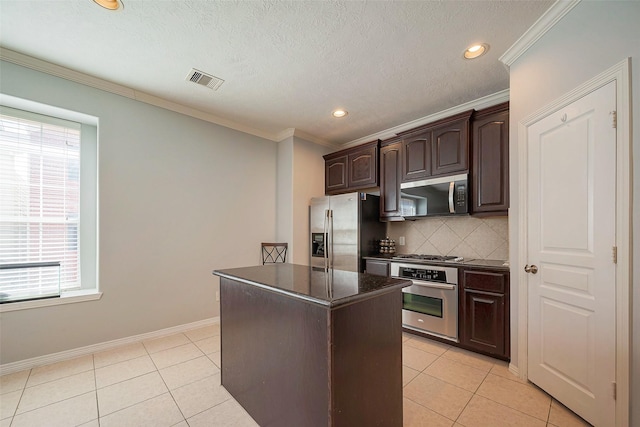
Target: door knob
[533, 269]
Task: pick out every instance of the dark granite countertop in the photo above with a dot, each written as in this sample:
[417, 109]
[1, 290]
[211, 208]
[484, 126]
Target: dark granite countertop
[497, 264]
[331, 289]
[493, 264]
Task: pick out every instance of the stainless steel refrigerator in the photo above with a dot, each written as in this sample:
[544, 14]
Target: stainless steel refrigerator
[344, 228]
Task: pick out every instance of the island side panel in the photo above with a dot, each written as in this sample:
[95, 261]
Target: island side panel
[274, 355]
[367, 362]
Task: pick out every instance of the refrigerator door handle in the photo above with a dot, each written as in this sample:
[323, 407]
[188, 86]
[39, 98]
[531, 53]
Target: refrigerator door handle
[325, 231]
[331, 231]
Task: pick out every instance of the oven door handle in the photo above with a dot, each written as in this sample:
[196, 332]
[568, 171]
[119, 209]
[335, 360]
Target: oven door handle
[434, 285]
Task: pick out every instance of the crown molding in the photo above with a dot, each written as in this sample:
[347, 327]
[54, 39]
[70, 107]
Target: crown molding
[539, 28]
[287, 133]
[478, 104]
[297, 133]
[107, 86]
[63, 72]
[293, 132]
[308, 137]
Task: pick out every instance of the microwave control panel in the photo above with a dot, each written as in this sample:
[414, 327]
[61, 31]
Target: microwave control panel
[461, 198]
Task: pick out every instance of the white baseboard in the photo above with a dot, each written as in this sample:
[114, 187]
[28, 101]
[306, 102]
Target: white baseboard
[514, 370]
[48, 359]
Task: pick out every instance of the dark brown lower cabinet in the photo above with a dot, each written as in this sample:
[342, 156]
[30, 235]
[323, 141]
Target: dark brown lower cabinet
[379, 268]
[484, 312]
[292, 363]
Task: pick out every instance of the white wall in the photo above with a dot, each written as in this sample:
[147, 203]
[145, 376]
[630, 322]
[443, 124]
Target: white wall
[308, 178]
[300, 177]
[591, 38]
[179, 197]
[284, 210]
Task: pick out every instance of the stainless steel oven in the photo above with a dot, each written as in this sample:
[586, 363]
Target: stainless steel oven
[430, 304]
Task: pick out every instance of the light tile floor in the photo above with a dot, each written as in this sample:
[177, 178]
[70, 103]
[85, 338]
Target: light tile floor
[175, 381]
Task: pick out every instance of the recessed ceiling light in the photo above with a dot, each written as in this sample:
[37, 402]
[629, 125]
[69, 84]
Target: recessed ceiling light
[110, 4]
[339, 113]
[476, 50]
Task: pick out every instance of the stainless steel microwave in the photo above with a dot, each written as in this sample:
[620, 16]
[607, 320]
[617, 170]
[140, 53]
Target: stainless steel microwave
[446, 195]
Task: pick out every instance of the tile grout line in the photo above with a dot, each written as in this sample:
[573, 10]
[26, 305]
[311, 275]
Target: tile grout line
[207, 356]
[472, 396]
[119, 349]
[51, 404]
[56, 379]
[549, 413]
[13, 417]
[435, 412]
[217, 404]
[15, 411]
[165, 383]
[95, 383]
[131, 406]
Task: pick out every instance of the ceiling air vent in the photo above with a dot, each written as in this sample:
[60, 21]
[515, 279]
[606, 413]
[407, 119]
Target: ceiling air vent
[204, 79]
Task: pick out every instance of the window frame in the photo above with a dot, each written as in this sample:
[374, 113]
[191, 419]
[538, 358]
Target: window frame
[89, 223]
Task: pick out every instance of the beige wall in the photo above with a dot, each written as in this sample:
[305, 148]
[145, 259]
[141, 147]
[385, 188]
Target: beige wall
[591, 38]
[468, 237]
[179, 197]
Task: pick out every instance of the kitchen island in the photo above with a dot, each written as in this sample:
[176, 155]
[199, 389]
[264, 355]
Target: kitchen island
[305, 347]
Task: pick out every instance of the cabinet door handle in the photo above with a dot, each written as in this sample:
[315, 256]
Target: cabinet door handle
[533, 269]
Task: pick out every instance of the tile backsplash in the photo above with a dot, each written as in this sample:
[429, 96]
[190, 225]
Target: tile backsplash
[465, 236]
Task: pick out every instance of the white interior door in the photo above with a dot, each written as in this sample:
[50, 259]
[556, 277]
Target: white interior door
[571, 236]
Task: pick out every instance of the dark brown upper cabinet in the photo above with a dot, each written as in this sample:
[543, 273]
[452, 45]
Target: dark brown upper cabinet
[351, 169]
[363, 167]
[416, 157]
[335, 174]
[390, 177]
[490, 161]
[436, 149]
[450, 146]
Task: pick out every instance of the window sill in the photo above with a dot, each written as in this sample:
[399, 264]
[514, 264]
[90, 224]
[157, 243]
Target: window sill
[69, 297]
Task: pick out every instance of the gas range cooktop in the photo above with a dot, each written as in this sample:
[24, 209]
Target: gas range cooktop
[429, 257]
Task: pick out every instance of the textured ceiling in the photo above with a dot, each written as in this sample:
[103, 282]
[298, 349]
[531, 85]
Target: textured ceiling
[286, 64]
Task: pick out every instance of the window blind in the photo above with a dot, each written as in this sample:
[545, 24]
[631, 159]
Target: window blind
[39, 204]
